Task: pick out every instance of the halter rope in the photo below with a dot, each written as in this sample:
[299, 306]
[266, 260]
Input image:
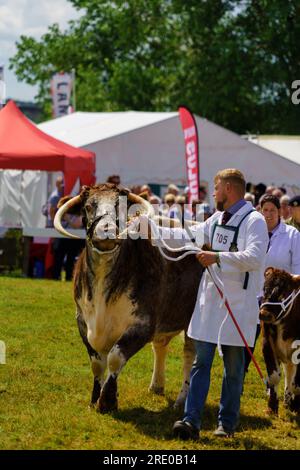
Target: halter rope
[286, 305]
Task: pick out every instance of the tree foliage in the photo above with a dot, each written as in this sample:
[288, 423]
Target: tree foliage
[230, 61]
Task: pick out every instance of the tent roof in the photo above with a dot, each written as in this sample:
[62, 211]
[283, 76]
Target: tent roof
[287, 146]
[145, 147]
[85, 128]
[25, 147]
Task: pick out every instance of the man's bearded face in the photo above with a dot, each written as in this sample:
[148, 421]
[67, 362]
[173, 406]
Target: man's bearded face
[220, 195]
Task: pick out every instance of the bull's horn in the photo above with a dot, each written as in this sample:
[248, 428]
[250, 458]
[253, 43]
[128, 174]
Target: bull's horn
[61, 212]
[150, 212]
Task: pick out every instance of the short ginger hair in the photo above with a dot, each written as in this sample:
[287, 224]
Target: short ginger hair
[233, 176]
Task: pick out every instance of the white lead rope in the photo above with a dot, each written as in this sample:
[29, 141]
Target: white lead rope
[196, 250]
[190, 251]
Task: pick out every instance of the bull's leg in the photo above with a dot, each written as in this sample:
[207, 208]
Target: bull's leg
[289, 380]
[188, 359]
[160, 349]
[98, 362]
[295, 402]
[130, 343]
[273, 369]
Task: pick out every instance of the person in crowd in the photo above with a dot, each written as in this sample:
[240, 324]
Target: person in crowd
[239, 239]
[145, 189]
[173, 189]
[277, 192]
[294, 205]
[282, 189]
[186, 193]
[55, 196]
[155, 201]
[259, 190]
[284, 207]
[250, 187]
[202, 194]
[66, 250]
[168, 201]
[284, 245]
[250, 198]
[114, 179]
[200, 211]
[180, 210]
[135, 189]
[270, 189]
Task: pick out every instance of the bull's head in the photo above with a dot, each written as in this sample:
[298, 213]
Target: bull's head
[106, 210]
[280, 292]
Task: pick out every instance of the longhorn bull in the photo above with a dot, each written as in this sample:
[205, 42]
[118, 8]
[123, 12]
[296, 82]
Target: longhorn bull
[126, 294]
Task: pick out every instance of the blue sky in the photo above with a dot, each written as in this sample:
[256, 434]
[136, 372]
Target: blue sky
[30, 18]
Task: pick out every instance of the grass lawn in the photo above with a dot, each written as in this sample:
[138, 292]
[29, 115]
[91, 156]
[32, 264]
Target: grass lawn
[46, 383]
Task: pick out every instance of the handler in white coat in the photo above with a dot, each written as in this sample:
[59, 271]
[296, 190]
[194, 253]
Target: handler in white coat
[237, 259]
[284, 245]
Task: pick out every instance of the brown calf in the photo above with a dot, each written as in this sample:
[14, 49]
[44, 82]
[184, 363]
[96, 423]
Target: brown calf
[280, 315]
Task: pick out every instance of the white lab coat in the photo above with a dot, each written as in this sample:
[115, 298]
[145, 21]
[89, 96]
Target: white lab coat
[284, 250]
[210, 311]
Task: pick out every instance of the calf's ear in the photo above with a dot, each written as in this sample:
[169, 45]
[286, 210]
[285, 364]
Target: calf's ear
[268, 272]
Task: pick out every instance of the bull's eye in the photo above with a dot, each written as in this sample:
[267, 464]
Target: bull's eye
[88, 208]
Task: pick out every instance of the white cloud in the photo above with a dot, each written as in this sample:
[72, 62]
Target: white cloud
[29, 18]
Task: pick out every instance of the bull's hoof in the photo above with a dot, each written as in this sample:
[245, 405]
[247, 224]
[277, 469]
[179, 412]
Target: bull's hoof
[157, 390]
[294, 405]
[272, 412]
[106, 406]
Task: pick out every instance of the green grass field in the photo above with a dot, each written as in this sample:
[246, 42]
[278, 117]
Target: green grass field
[46, 383]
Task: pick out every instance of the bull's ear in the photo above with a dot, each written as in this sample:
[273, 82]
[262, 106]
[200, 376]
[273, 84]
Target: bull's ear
[268, 272]
[85, 192]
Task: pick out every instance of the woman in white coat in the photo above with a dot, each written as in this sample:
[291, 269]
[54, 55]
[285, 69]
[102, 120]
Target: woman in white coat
[284, 245]
[237, 256]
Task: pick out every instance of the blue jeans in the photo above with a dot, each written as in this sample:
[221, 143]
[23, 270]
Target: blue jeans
[233, 376]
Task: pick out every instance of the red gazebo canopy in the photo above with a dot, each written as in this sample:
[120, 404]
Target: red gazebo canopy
[25, 147]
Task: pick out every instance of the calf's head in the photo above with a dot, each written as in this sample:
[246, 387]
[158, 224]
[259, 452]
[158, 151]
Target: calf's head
[280, 288]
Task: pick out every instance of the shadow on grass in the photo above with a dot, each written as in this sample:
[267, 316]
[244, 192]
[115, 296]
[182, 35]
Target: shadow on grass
[294, 418]
[158, 424]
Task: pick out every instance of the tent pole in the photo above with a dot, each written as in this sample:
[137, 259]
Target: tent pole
[74, 90]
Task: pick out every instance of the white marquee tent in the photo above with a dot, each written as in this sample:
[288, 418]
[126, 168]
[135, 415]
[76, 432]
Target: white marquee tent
[286, 145]
[144, 147]
[147, 147]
